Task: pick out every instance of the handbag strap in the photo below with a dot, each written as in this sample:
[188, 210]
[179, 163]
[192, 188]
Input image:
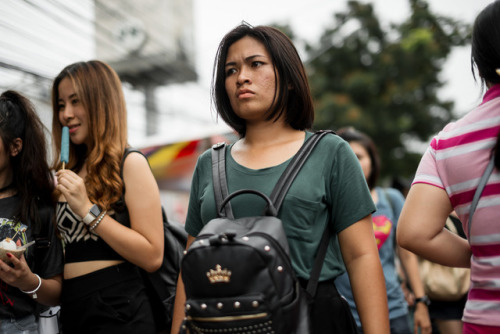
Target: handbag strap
[277, 195]
[479, 190]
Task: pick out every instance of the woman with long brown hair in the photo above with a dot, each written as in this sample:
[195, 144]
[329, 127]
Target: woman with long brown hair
[102, 289]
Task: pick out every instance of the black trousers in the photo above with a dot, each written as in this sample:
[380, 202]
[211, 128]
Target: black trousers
[111, 300]
[329, 311]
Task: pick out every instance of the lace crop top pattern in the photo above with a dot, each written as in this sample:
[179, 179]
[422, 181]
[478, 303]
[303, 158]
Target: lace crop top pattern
[81, 244]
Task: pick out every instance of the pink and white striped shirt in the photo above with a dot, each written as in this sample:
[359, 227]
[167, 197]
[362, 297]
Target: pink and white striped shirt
[455, 161]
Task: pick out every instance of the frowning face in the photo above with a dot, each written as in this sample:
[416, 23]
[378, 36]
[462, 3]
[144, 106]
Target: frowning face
[250, 79]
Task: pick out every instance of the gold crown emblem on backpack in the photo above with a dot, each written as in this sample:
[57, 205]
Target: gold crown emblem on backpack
[219, 275]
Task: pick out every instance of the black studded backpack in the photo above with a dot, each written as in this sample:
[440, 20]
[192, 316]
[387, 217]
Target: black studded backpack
[237, 274]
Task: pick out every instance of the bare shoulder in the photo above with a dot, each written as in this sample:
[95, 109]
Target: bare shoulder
[135, 161]
[137, 172]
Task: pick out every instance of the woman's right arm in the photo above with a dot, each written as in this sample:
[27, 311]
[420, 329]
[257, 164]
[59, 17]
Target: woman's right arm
[180, 298]
[362, 261]
[421, 227]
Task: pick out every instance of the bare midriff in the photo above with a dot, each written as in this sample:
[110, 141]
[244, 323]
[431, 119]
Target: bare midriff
[76, 269]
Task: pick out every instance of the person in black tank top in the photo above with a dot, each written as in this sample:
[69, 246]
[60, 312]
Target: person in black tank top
[103, 291]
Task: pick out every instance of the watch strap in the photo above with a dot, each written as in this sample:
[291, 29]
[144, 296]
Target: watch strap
[91, 215]
[424, 299]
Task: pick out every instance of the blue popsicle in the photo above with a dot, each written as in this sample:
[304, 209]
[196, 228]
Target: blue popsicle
[65, 146]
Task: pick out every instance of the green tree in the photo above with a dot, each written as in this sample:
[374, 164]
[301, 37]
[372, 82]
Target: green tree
[384, 81]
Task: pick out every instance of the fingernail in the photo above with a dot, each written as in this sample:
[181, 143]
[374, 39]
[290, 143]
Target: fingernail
[9, 255]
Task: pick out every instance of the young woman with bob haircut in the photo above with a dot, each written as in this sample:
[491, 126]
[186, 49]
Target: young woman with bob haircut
[260, 89]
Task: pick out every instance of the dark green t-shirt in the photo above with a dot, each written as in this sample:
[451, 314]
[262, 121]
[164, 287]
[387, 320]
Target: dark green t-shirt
[330, 188]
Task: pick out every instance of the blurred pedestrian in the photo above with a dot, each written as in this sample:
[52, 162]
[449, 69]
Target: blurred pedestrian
[389, 202]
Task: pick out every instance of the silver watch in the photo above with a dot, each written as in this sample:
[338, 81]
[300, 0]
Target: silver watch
[92, 215]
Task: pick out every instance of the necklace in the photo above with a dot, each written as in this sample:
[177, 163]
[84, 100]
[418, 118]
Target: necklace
[7, 187]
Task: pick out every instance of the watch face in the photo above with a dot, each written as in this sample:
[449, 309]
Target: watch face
[95, 211]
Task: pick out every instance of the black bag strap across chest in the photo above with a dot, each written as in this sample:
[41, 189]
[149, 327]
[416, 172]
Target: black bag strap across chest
[221, 192]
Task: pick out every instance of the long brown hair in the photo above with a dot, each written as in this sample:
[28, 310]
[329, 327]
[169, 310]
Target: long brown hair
[99, 89]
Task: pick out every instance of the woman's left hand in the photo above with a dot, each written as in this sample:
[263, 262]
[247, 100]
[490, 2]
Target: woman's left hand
[72, 186]
[18, 274]
[421, 319]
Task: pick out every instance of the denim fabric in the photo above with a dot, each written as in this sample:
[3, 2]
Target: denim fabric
[400, 325]
[26, 325]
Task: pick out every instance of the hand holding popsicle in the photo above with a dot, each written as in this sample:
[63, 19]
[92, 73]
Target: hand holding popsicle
[65, 146]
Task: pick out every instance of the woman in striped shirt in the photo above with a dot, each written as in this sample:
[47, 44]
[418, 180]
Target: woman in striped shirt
[447, 178]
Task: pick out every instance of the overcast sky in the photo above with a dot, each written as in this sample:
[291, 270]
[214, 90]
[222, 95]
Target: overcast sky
[309, 18]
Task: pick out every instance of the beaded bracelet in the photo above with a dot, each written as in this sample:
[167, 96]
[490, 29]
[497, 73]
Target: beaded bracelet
[33, 293]
[92, 228]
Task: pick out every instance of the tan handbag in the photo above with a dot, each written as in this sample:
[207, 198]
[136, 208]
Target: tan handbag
[441, 282]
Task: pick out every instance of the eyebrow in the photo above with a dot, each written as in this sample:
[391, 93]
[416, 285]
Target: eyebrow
[70, 97]
[232, 63]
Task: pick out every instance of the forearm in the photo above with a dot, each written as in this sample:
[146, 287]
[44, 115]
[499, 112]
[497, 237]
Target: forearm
[444, 248]
[180, 301]
[421, 318]
[409, 261]
[180, 298]
[49, 291]
[421, 227]
[368, 286]
[133, 245]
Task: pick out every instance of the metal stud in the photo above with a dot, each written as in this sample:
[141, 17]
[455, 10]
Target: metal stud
[203, 306]
[267, 248]
[245, 239]
[188, 307]
[280, 269]
[220, 306]
[237, 304]
[184, 252]
[255, 304]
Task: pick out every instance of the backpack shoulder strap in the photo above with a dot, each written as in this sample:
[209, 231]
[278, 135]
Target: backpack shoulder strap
[278, 195]
[479, 190]
[219, 180]
[285, 181]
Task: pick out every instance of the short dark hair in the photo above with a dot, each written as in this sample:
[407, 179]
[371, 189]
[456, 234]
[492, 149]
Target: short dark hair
[289, 70]
[485, 51]
[349, 134]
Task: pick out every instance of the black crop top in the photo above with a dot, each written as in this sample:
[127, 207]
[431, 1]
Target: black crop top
[80, 244]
